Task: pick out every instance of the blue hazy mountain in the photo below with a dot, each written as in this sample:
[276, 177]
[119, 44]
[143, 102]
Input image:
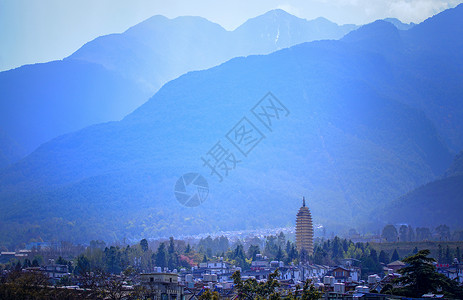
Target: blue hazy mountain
[358, 134]
[160, 49]
[9, 150]
[399, 24]
[39, 102]
[435, 203]
[109, 77]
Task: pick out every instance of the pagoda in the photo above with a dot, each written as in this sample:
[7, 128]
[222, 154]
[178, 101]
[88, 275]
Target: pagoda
[304, 230]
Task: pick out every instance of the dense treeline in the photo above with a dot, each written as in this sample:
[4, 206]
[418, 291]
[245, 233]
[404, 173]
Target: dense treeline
[177, 254]
[406, 233]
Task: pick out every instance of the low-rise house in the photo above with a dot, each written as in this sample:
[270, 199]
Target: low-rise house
[56, 271]
[162, 285]
[5, 256]
[341, 274]
[396, 265]
[454, 272]
[261, 262]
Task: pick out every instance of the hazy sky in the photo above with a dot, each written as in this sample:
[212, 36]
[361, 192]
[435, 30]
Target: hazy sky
[42, 30]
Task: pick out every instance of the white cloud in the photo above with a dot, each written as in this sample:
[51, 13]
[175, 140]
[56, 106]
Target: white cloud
[416, 11]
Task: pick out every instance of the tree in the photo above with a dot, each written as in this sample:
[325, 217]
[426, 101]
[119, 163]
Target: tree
[395, 255]
[411, 234]
[448, 256]
[252, 289]
[374, 255]
[24, 285]
[280, 255]
[253, 251]
[309, 292]
[444, 232]
[144, 245]
[440, 254]
[82, 266]
[35, 263]
[161, 256]
[112, 259]
[271, 246]
[26, 263]
[419, 277]
[403, 233]
[390, 233]
[423, 234]
[383, 257]
[171, 245]
[61, 261]
[281, 239]
[208, 295]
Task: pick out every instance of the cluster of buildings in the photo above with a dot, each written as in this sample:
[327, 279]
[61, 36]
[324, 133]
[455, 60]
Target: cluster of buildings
[6, 256]
[335, 282]
[217, 275]
[338, 282]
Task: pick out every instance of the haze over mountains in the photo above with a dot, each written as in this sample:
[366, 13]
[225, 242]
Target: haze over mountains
[112, 75]
[371, 117]
[435, 203]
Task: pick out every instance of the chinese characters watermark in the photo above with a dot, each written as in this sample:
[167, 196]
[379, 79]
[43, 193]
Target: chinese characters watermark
[240, 141]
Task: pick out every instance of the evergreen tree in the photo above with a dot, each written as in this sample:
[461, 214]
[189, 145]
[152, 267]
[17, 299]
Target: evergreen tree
[253, 251]
[35, 263]
[280, 255]
[403, 233]
[373, 255]
[144, 245]
[440, 254]
[395, 256]
[281, 239]
[383, 257]
[161, 256]
[288, 247]
[448, 256]
[26, 263]
[390, 233]
[411, 234]
[82, 266]
[444, 232]
[171, 245]
[419, 277]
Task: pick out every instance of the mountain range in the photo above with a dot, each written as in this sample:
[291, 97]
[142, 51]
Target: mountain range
[109, 77]
[361, 121]
[432, 204]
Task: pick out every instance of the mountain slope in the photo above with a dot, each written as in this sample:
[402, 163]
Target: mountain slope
[431, 53]
[351, 141]
[435, 203]
[397, 23]
[109, 77]
[44, 100]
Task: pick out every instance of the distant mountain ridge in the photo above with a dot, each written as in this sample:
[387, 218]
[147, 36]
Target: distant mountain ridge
[456, 169]
[357, 136]
[109, 77]
[397, 23]
[430, 205]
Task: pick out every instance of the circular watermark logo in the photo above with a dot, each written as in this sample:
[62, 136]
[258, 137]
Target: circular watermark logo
[191, 189]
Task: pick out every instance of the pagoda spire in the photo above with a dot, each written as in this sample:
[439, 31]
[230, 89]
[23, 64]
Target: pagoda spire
[303, 201]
